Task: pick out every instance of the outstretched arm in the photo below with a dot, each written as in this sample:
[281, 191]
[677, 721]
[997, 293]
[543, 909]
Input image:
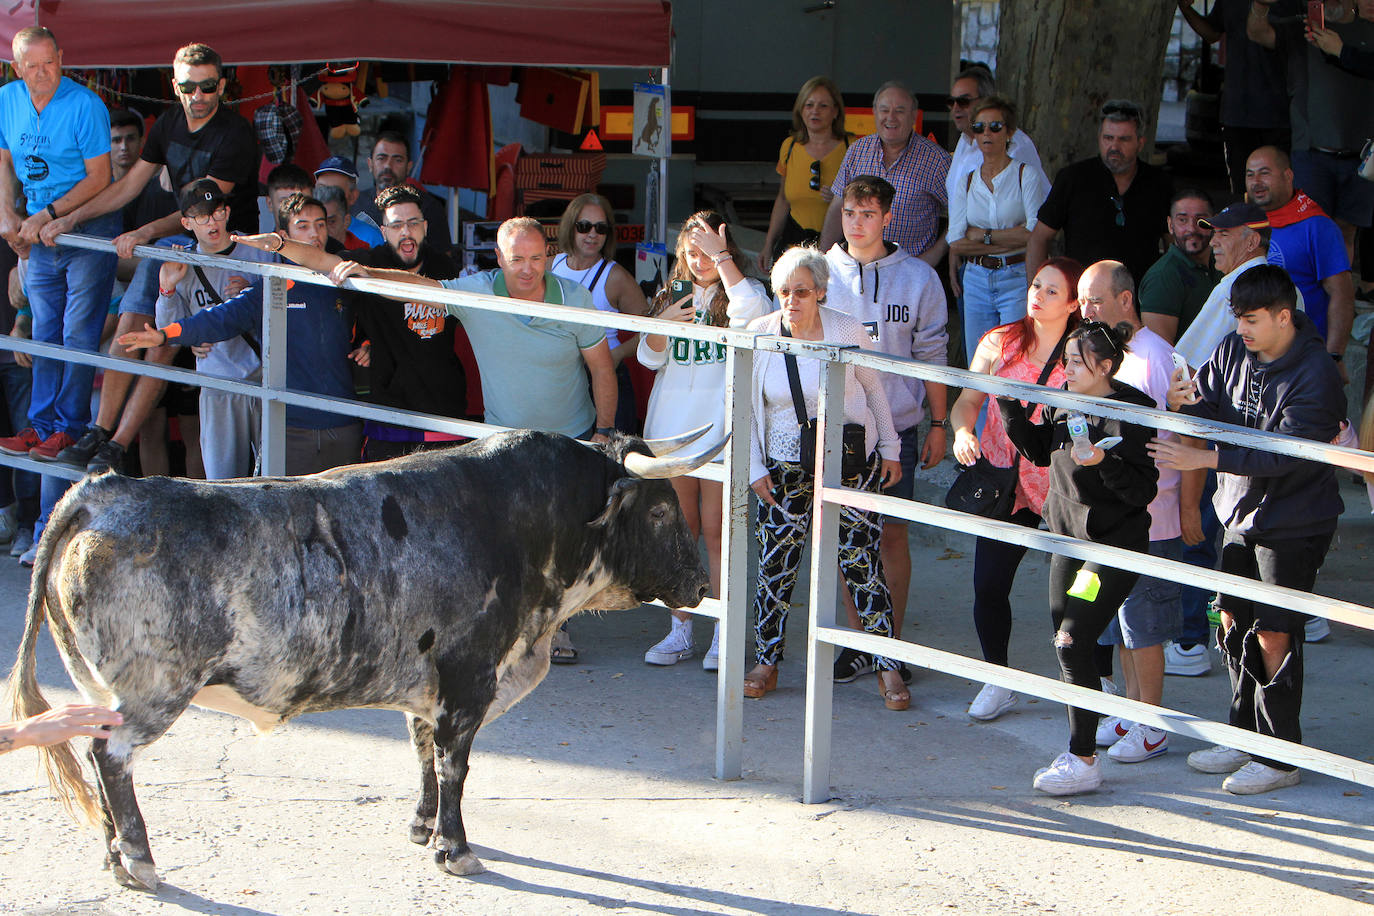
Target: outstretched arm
[300, 253]
[58, 725]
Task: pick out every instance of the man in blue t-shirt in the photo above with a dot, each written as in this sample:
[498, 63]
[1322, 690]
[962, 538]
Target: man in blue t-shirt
[55, 143]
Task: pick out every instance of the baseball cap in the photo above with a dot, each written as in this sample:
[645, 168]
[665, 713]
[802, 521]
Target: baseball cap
[1241, 214]
[338, 164]
[202, 194]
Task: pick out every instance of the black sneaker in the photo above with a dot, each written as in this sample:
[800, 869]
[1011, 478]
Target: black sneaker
[108, 457]
[80, 453]
[852, 664]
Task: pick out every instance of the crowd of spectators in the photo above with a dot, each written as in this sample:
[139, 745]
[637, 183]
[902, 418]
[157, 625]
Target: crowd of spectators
[1149, 278]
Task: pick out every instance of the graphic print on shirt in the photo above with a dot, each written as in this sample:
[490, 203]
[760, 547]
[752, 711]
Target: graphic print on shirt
[425, 319]
[35, 167]
[697, 352]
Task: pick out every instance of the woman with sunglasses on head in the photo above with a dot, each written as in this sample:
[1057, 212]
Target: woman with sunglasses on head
[808, 162]
[1099, 491]
[1026, 351]
[992, 210]
[707, 286]
[586, 237]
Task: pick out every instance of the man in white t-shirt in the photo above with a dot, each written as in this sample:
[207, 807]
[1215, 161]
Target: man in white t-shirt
[1151, 613]
[970, 85]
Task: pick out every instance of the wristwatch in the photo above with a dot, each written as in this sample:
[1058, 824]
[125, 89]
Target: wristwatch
[606, 431]
[987, 236]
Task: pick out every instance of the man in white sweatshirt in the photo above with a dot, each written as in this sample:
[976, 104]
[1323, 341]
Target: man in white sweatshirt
[901, 302]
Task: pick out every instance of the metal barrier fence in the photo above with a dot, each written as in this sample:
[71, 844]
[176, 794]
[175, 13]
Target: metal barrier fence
[731, 607]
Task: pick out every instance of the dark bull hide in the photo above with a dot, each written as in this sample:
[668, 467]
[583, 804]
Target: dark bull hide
[431, 584]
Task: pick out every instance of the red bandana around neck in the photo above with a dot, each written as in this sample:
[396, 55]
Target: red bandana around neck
[1301, 207]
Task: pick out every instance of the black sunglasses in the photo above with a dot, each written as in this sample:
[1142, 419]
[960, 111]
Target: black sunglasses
[815, 182]
[1127, 109]
[1120, 210]
[958, 101]
[584, 226]
[995, 126]
[208, 87]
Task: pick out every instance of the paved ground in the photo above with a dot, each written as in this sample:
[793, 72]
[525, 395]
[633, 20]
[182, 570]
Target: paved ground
[595, 796]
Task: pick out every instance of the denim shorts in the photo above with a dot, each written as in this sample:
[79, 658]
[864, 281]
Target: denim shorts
[1153, 611]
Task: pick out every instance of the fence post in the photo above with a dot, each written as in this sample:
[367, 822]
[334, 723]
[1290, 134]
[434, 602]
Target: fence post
[273, 376]
[820, 686]
[734, 575]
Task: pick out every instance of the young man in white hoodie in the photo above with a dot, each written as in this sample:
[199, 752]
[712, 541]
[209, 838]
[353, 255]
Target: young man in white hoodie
[901, 302]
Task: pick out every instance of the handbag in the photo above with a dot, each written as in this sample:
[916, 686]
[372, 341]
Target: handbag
[983, 488]
[854, 439]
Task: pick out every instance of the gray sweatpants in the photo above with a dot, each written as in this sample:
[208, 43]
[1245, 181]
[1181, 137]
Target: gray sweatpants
[230, 425]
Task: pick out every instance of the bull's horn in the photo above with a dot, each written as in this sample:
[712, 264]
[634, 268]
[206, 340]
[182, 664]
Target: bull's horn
[664, 447]
[645, 466]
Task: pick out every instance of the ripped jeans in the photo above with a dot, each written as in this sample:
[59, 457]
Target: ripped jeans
[1261, 703]
[1079, 619]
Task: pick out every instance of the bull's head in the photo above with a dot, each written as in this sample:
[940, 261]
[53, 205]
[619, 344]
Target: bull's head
[648, 541]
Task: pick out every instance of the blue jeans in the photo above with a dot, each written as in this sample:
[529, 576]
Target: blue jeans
[1195, 629]
[16, 382]
[991, 298]
[69, 290]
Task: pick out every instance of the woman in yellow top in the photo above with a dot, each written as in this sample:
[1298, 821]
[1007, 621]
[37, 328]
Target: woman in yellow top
[808, 162]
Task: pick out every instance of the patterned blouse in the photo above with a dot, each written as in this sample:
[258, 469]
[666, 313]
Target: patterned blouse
[1033, 482]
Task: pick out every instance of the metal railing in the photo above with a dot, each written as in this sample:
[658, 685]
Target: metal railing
[731, 606]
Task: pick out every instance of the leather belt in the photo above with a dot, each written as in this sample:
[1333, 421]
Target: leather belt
[1337, 153]
[993, 262]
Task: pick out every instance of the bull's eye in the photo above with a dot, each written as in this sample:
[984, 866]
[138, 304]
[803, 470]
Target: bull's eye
[658, 513]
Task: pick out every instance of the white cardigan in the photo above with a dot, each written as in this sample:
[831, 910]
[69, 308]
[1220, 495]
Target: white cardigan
[864, 400]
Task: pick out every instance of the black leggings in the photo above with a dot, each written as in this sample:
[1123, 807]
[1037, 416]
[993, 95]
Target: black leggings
[1079, 619]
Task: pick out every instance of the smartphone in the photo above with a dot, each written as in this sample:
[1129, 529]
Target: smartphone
[1316, 14]
[1181, 363]
[1108, 443]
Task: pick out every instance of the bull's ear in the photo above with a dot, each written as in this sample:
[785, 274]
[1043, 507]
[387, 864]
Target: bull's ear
[622, 494]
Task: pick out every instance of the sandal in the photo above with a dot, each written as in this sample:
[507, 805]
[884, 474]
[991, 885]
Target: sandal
[761, 681]
[895, 698]
[562, 652]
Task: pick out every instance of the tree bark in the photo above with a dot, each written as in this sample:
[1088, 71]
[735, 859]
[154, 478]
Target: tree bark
[1059, 60]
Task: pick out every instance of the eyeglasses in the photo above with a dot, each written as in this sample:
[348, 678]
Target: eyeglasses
[585, 226]
[958, 101]
[414, 225]
[219, 214]
[815, 182]
[1120, 210]
[207, 87]
[1122, 109]
[796, 292]
[995, 126]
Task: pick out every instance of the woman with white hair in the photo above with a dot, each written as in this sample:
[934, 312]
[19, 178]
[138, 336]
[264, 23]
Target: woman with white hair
[785, 485]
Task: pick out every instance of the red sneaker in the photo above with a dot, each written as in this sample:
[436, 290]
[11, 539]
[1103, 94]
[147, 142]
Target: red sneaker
[47, 450]
[19, 445]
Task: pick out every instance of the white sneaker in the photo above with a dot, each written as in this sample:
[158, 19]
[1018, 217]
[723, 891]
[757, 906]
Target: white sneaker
[29, 557]
[1316, 629]
[1255, 778]
[9, 522]
[674, 647]
[1193, 662]
[1068, 775]
[1141, 743]
[1109, 686]
[991, 702]
[1218, 759]
[1112, 729]
[711, 660]
[23, 540]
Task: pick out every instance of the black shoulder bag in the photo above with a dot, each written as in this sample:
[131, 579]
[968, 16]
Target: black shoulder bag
[983, 488]
[855, 442]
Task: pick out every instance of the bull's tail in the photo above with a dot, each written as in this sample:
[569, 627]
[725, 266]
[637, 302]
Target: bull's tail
[64, 770]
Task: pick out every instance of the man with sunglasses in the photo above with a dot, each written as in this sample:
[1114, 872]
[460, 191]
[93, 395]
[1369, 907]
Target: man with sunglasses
[199, 139]
[1109, 207]
[971, 85]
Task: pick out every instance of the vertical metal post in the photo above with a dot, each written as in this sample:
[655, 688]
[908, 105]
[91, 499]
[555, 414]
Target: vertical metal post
[825, 544]
[734, 575]
[273, 376]
[662, 227]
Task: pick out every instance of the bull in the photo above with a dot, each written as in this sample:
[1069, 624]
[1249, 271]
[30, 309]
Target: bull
[430, 584]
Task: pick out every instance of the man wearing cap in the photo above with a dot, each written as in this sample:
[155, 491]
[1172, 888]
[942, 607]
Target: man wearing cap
[341, 173]
[1109, 207]
[390, 165]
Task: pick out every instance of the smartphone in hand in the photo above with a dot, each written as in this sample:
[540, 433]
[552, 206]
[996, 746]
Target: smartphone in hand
[1316, 14]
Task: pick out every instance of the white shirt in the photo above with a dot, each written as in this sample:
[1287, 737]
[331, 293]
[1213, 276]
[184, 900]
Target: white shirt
[1148, 366]
[968, 155]
[1015, 199]
[1215, 320]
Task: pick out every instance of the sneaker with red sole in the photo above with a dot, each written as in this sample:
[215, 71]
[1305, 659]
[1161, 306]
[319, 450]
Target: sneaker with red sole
[20, 445]
[47, 450]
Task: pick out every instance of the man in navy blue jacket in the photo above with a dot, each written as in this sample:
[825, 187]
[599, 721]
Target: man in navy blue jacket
[318, 333]
[1279, 512]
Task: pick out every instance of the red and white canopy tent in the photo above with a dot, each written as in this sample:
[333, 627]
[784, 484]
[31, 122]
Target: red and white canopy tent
[541, 33]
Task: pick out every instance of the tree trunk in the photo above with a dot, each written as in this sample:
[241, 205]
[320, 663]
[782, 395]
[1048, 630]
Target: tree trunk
[1059, 60]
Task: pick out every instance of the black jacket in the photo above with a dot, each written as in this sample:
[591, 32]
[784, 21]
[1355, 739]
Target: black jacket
[1106, 503]
[1261, 494]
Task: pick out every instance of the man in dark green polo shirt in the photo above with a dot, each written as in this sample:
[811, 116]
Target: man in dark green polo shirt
[1174, 289]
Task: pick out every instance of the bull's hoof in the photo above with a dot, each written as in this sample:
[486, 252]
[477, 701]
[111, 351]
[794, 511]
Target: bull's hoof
[131, 869]
[462, 864]
[421, 829]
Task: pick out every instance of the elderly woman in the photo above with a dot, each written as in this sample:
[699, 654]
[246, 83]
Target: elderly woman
[992, 210]
[785, 486]
[808, 162]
